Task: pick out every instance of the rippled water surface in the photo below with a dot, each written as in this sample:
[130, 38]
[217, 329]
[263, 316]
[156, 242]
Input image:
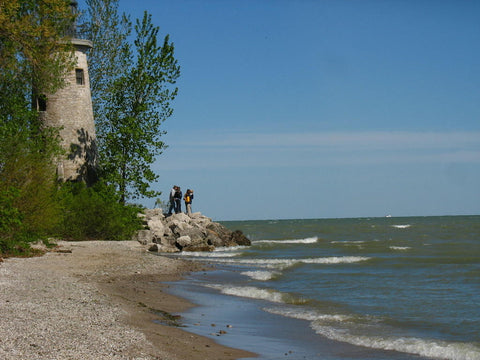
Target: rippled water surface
[407, 285]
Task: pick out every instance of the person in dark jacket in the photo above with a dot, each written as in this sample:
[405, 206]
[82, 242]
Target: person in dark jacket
[188, 201]
[178, 200]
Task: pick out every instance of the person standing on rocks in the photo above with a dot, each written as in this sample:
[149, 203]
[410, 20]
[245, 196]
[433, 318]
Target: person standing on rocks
[178, 200]
[188, 201]
[172, 199]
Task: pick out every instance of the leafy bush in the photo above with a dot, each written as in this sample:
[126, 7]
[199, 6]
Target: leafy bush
[28, 208]
[10, 220]
[10, 216]
[95, 213]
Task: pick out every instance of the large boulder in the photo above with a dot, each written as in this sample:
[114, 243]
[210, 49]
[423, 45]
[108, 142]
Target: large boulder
[154, 213]
[214, 240]
[183, 241]
[163, 248]
[157, 229]
[220, 231]
[239, 238]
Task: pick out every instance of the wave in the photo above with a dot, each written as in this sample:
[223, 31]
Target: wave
[400, 247]
[220, 252]
[207, 254]
[253, 292]
[335, 260]
[406, 226]
[284, 263]
[306, 314]
[341, 327]
[423, 347]
[346, 242]
[309, 240]
[261, 275]
[230, 248]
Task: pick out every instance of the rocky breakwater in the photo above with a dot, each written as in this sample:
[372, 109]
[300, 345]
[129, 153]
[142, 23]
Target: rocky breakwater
[180, 232]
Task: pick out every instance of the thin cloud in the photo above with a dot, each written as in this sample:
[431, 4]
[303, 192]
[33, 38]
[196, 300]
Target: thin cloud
[217, 151]
[346, 140]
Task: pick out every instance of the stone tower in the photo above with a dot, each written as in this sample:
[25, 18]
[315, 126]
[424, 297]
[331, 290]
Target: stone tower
[70, 109]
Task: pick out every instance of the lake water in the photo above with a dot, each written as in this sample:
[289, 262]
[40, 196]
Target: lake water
[365, 288]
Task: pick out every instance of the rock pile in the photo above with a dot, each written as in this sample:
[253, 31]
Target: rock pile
[180, 232]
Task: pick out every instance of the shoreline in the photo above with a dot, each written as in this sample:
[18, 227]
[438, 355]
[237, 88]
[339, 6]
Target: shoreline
[99, 300]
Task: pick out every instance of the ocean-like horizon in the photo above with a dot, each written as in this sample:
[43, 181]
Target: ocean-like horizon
[358, 288]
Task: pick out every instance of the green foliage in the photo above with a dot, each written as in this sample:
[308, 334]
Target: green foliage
[135, 96]
[109, 32]
[35, 54]
[27, 175]
[95, 213]
[18, 227]
[34, 42]
[10, 219]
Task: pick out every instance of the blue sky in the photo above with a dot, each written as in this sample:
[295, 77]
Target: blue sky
[323, 108]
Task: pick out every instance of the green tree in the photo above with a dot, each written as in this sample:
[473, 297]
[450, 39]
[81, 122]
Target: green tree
[34, 54]
[34, 42]
[135, 96]
[109, 32]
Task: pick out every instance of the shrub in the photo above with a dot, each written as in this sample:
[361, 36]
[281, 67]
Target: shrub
[28, 208]
[95, 213]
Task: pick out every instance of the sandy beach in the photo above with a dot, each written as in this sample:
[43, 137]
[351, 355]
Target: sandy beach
[98, 300]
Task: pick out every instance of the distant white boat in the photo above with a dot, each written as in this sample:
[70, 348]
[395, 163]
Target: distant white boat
[388, 215]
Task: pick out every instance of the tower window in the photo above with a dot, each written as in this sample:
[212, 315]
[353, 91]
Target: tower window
[42, 103]
[79, 75]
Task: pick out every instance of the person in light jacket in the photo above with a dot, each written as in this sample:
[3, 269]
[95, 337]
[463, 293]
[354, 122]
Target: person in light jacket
[172, 199]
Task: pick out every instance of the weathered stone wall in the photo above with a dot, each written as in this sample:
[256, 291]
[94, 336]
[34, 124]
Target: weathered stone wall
[70, 108]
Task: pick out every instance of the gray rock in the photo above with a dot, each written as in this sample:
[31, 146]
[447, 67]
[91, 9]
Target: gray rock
[199, 247]
[144, 237]
[179, 227]
[153, 248]
[240, 239]
[198, 215]
[180, 217]
[183, 241]
[154, 213]
[196, 235]
[168, 249]
[213, 239]
[156, 226]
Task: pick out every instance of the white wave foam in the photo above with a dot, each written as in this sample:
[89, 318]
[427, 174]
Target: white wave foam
[250, 292]
[253, 292]
[310, 240]
[230, 248]
[284, 263]
[305, 314]
[335, 328]
[403, 248]
[348, 242]
[335, 260]
[261, 275]
[207, 254]
[406, 226]
[423, 347]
